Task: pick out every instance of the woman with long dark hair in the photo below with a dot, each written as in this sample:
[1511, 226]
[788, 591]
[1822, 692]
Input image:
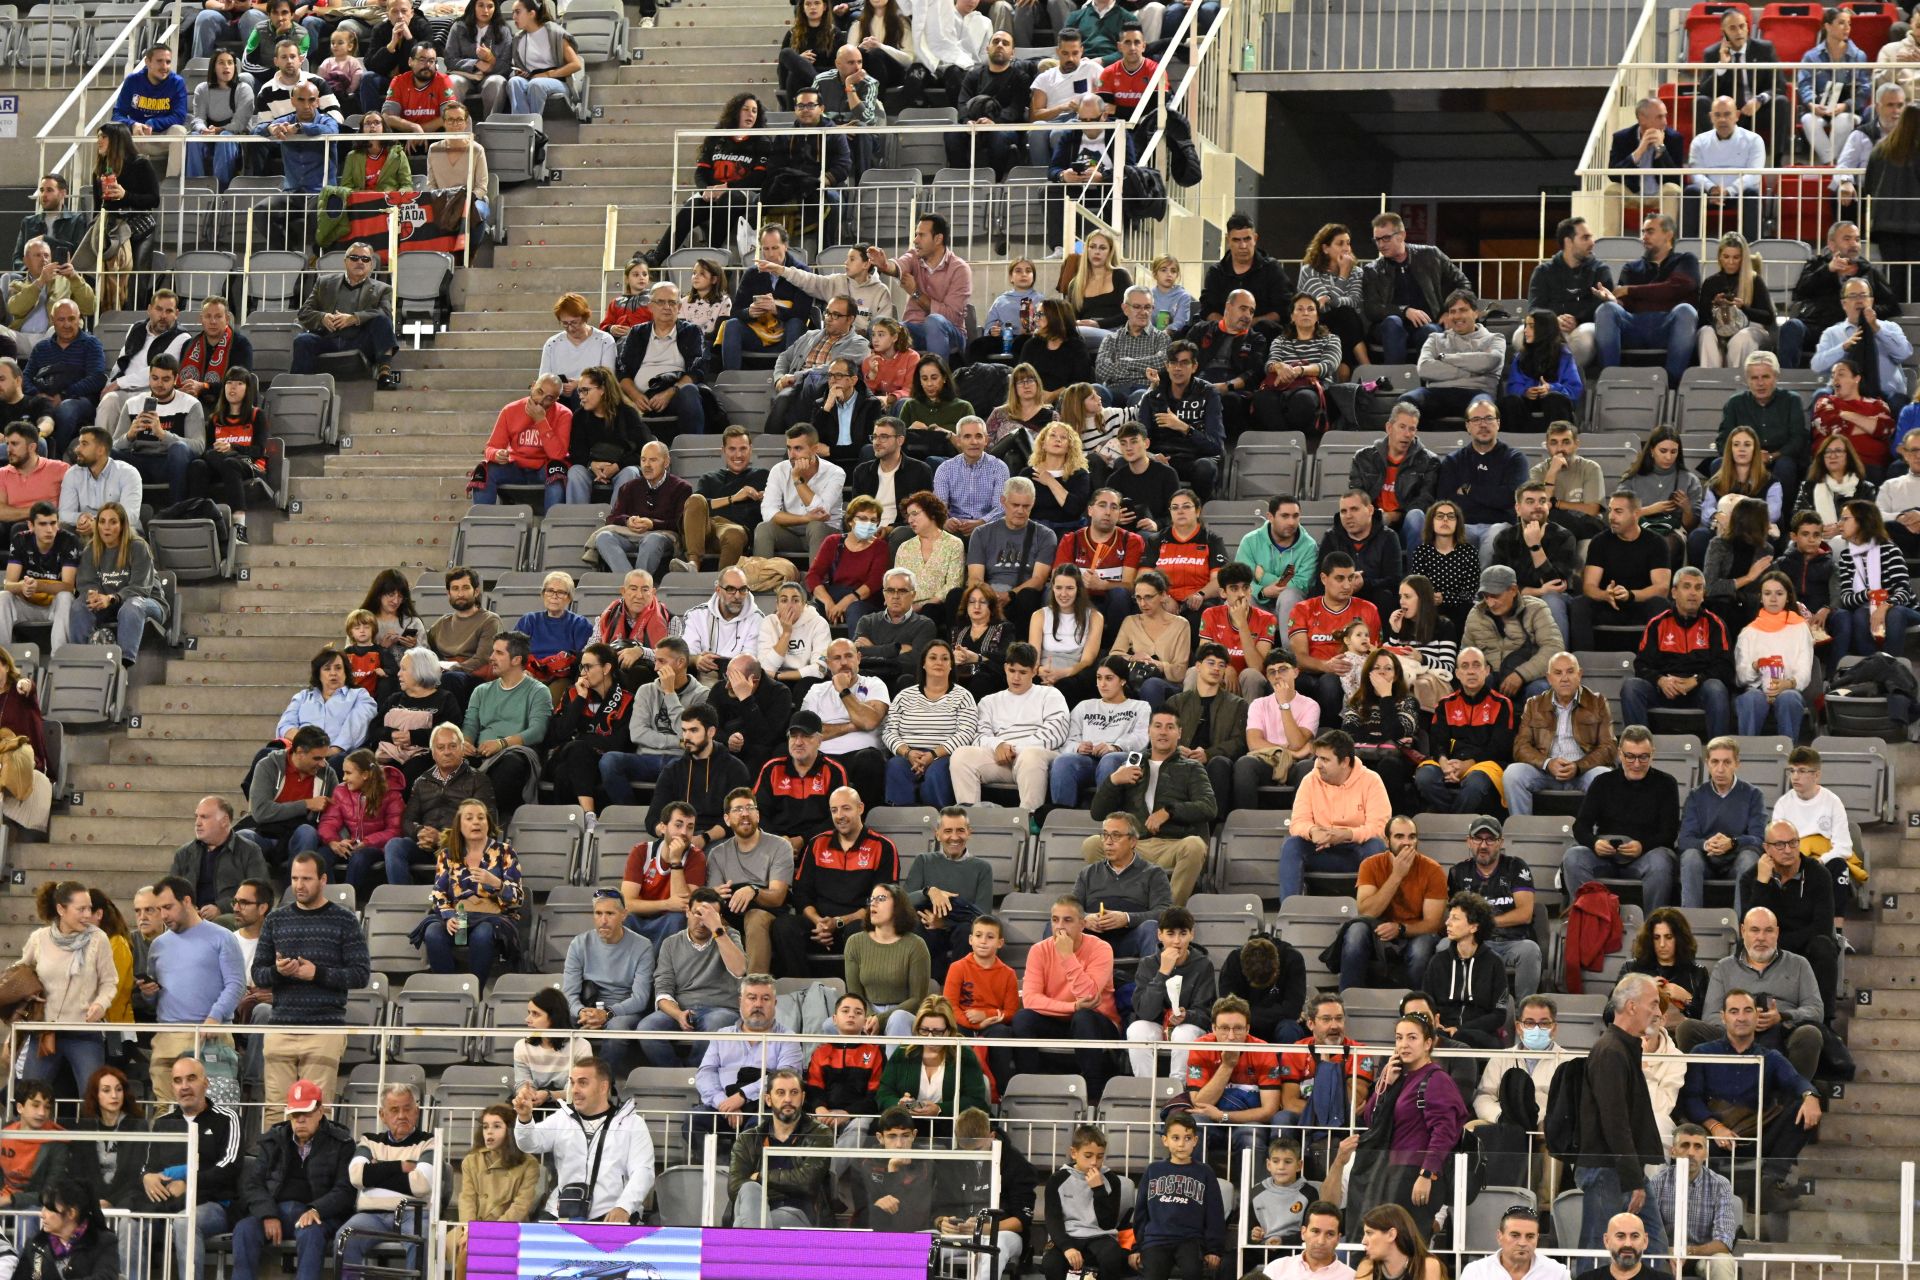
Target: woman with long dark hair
[362, 814]
[1386, 725]
[1421, 625]
[1543, 382]
[808, 49]
[1773, 661]
[477, 897]
[222, 104]
[1423, 1115]
[1873, 603]
[1331, 275]
[1670, 493]
[1446, 557]
[1301, 364]
[477, 42]
[934, 406]
[726, 178]
[106, 916]
[1066, 633]
[1056, 350]
[236, 452]
[126, 195]
[1735, 562]
[74, 1240]
[542, 1063]
[1892, 183]
[1101, 730]
[1837, 478]
[884, 37]
[608, 435]
[1665, 950]
[1394, 1247]
[979, 639]
[1742, 473]
[1865, 421]
[396, 622]
[926, 722]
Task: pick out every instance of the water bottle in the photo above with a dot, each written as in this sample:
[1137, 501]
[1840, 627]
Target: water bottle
[1247, 57]
[460, 927]
[1006, 339]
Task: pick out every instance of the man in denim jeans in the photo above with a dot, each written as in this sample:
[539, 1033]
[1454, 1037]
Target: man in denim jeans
[1618, 1136]
[1649, 307]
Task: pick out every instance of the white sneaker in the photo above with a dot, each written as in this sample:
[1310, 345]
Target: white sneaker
[646, 23]
[681, 566]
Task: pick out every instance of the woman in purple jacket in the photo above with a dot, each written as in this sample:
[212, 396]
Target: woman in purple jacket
[1427, 1119]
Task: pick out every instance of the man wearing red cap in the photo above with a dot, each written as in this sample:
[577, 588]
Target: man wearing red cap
[297, 1187]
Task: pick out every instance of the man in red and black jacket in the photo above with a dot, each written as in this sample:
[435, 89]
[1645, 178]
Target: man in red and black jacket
[1232, 356]
[1685, 659]
[792, 789]
[1471, 738]
[832, 879]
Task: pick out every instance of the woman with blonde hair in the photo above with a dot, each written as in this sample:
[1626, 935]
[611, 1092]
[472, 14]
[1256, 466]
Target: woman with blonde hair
[1736, 311]
[557, 634]
[919, 1078]
[1062, 483]
[1081, 408]
[115, 589]
[1099, 283]
[1014, 427]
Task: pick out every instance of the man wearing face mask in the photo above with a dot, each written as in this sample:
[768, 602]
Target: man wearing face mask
[1537, 1055]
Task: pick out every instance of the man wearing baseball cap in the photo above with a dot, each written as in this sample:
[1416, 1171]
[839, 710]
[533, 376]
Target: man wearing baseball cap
[1515, 632]
[1506, 883]
[792, 789]
[297, 1187]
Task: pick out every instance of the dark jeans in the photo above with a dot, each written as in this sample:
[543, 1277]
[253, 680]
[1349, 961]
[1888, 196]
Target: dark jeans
[481, 947]
[1710, 696]
[792, 937]
[1094, 1065]
[1359, 948]
[310, 1243]
[1474, 793]
[1164, 1261]
[1394, 338]
[373, 339]
[1298, 856]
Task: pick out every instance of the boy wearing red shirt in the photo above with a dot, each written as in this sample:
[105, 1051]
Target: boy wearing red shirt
[1242, 628]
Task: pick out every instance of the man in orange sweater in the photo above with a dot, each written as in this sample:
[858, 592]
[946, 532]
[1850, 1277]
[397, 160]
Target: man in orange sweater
[529, 444]
[1340, 815]
[1067, 994]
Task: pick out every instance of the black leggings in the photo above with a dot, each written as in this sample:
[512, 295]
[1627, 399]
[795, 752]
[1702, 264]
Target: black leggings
[222, 477]
[1102, 1256]
[575, 769]
[1350, 327]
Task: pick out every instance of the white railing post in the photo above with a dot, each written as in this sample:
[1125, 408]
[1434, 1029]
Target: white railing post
[1906, 1211]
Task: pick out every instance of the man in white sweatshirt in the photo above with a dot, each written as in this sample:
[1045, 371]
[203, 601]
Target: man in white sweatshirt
[1899, 498]
[1461, 361]
[1021, 731]
[723, 628]
[591, 1125]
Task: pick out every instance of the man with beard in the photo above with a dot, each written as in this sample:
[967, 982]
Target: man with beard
[695, 975]
[704, 774]
[463, 636]
[730, 1080]
[752, 871]
[995, 92]
[795, 1192]
[1626, 1244]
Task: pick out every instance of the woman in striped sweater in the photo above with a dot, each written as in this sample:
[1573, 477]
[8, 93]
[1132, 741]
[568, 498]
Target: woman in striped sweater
[1301, 362]
[1872, 602]
[924, 725]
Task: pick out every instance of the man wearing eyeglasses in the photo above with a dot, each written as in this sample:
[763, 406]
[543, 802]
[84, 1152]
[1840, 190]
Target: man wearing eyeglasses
[1652, 306]
[1483, 475]
[351, 311]
[892, 641]
[1403, 289]
[1799, 892]
[661, 364]
[1627, 826]
[800, 372]
[845, 415]
[1537, 1055]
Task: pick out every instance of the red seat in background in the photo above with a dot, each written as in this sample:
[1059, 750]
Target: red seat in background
[1679, 102]
[1703, 24]
[1791, 28]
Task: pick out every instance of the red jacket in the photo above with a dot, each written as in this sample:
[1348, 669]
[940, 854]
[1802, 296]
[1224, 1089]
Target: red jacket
[346, 814]
[532, 444]
[1676, 646]
[1593, 933]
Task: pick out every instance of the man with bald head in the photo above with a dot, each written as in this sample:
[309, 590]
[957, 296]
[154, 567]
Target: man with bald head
[1628, 1246]
[1722, 164]
[643, 526]
[836, 872]
[1784, 989]
[1618, 1136]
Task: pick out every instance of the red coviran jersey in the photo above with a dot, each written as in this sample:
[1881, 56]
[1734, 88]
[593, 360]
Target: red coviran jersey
[1320, 623]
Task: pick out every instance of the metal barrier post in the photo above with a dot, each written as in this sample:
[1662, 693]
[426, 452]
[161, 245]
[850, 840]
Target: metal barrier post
[246, 266]
[393, 265]
[609, 252]
[1682, 1176]
[1906, 1211]
[710, 1161]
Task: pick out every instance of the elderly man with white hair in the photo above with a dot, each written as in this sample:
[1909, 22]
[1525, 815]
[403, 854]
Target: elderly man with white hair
[893, 639]
[1618, 1136]
[644, 521]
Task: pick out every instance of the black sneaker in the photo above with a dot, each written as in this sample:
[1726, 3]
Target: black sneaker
[386, 378]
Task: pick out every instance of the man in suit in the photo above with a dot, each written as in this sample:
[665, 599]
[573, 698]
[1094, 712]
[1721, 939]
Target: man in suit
[1650, 146]
[1760, 95]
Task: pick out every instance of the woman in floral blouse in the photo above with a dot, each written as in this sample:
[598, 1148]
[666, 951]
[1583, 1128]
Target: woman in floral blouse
[476, 891]
[937, 558]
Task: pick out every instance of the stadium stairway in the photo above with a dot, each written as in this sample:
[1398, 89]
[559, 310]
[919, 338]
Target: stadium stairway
[395, 496]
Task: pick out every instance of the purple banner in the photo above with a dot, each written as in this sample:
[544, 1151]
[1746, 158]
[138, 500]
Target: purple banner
[603, 1251]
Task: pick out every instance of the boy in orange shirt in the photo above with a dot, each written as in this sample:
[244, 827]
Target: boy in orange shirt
[984, 991]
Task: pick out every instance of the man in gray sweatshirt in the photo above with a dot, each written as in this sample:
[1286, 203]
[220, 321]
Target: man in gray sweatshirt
[654, 724]
[608, 979]
[949, 890]
[696, 980]
[1463, 360]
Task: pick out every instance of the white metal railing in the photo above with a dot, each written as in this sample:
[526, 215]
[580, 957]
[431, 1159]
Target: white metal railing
[121, 57]
[1368, 37]
[393, 1046]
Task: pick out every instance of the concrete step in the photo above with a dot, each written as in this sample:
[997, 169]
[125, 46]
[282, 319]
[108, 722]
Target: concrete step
[150, 806]
[108, 779]
[234, 755]
[477, 393]
[693, 75]
[1882, 971]
[543, 257]
[319, 533]
[555, 232]
[592, 150]
[455, 446]
[373, 463]
[183, 726]
[229, 699]
[418, 554]
[322, 488]
[505, 336]
[356, 511]
[455, 368]
[103, 833]
[657, 107]
[490, 282]
[316, 628]
[117, 872]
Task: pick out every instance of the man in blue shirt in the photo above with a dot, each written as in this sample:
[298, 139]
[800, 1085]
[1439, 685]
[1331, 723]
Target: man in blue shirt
[305, 163]
[1722, 825]
[1722, 1098]
[729, 1080]
[1875, 350]
[153, 103]
[198, 976]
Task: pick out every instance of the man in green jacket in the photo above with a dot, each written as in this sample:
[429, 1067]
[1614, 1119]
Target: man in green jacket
[1099, 27]
[1171, 796]
[795, 1191]
[1779, 420]
[1213, 718]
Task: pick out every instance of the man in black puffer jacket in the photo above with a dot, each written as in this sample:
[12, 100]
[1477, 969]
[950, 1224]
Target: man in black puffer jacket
[296, 1188]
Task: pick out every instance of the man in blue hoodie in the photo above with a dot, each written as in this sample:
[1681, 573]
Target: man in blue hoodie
[305, 163]
[153, 103]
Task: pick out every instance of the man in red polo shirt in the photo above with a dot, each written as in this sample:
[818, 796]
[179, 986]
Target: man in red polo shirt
[414, 100]
[1314, 627]
[1242, 628]
[1107, 556]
